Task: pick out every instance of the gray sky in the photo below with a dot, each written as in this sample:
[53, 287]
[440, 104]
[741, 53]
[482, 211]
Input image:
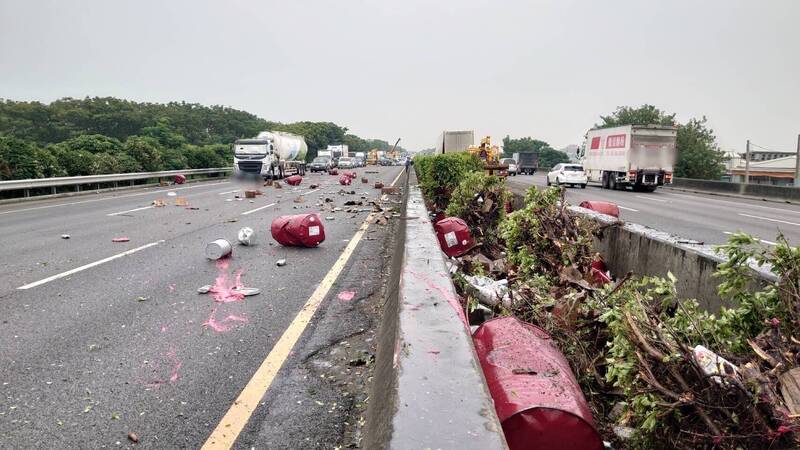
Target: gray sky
[412, 68]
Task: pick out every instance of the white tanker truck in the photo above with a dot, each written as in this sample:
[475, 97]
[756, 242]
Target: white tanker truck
[271, 154]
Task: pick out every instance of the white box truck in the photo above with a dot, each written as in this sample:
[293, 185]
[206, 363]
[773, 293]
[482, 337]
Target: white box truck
[455, 141]
[639, 156]
[271, 154]
[339, 151]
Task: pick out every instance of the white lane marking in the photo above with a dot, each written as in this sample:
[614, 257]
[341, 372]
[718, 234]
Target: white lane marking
[397, 177]
[109, 198]
[627, 209]
[257, 209]
[88, 266]
[130, 210]
[229, 192]
[762, 240]
[650, 198]
[769, 219]
[739, 204]
[312, 191]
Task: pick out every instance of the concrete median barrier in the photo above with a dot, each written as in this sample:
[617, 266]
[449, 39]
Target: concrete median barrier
[428, 390]
[763, 191]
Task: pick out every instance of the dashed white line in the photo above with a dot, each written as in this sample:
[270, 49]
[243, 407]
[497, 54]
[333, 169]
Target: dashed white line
[108, 198]
[257, 209]
[650, 198]
[229, 192]
[130, 210]
[769, 219]
[88, 266]
[762, 240]
[739, 204]
[627, 209]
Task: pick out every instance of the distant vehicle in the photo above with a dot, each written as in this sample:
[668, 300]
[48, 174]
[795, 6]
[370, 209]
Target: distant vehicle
[360, 161]
[639, 156]
[527, 162]
[571, 174]
[386, 162]
[512, 165]
[455, 141]
[320, 164]
[346, 162]
[271, 154]
[337, 151]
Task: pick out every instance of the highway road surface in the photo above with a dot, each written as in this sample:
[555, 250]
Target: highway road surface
[100, 339]
[703, 217]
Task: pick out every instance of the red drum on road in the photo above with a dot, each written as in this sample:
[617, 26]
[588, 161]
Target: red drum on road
[304, 230]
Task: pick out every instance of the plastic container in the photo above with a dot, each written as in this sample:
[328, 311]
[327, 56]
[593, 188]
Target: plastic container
[538, 401]
[454, 236]
[304, 230]
[607, 208]
[219, 248]
[294, 180]
[180, 179]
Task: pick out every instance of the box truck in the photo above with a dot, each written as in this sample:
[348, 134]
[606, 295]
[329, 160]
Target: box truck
[271, 154]
[527, 162]
[639, 156]
[455, 141]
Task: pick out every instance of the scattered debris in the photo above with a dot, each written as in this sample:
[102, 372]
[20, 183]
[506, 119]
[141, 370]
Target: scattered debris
[120, 239]
[217, 249]
[299, 199]
[250, 194]
[280, 262]
[391, 190]
[346, 296]
[204, 289]
[247, 236]
[294, 180]
[314, 186]
[364, 180]
[488, 291]
[171, 194]
[65, 236]
[378, 185]
[246, 291]
[142, 299]
[158, 203]
[277, 185]
[133, 438]
[181, 201]
[329, 217]
[232, 220]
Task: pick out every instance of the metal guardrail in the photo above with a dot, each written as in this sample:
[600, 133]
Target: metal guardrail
[38, 184]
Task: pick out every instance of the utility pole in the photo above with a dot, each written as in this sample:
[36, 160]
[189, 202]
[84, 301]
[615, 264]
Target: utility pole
[747, 163]
[797, 163]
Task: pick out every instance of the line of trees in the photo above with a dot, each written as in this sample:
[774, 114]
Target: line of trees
[548, 156]
[73, 137]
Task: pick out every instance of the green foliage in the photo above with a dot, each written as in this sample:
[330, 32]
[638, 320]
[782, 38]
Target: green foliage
[205, 156]
[522, 145]
[698, 154]
[164, 134]
[20, 160]
[439, 175]
[74, 162]
[145, 151]
[92, 143]
[106, 163]
[549, 157]
[480, 199]
[643, 115]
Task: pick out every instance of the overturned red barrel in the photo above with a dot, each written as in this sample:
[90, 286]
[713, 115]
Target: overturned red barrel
[608, 208]
[598, 272]
[351, 174]
[180, 179]
[538, 401]
[454, 236]
[345, 180]
[294, 180]
[299, 230]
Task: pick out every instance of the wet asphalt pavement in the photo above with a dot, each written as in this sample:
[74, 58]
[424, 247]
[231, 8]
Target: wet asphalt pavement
[129, 346]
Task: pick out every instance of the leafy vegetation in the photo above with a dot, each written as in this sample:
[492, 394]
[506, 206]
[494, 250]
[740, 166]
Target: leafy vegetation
[109, 135]
[439, 175]
[698, 153]
[480, 200]
[548, 156]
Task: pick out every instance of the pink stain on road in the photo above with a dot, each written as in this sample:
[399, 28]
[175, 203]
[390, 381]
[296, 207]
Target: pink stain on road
[223, 325]
[346, 296]
[451, 299]
[158, 376]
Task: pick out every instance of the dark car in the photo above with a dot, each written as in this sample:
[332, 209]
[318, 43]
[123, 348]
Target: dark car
[386, 162]
[320, 164]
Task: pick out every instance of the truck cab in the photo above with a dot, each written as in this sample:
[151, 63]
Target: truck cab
[270, 155]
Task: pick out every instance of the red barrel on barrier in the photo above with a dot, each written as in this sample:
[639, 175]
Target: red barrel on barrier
[538, 401]
[608, 208]
[454, 236]
[180, 179]
[299, 230]
[294, 180]
[345, 180]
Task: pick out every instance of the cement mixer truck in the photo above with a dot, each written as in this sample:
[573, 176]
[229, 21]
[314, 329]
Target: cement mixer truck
[271, 155]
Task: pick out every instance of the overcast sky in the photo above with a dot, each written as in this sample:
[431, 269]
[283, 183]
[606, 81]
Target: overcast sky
[413, 68]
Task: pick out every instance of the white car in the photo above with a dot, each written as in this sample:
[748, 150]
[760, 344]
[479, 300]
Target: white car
[571, 174]
[512, 165]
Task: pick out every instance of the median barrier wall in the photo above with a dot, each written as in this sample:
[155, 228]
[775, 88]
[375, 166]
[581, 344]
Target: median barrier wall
[765, 191]
[428, 390]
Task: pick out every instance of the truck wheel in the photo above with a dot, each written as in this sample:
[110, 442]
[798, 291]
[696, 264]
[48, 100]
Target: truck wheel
[548, 181]
[583, 186]
[612, 182]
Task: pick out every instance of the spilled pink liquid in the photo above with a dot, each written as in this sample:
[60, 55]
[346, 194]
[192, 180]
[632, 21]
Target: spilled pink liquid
[346, 296]
[170, 359]
[224, 292]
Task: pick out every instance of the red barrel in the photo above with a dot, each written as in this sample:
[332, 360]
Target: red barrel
[345, 180]
[294, 180]
[454, 236]
[333, 172]
[608, 208]
[300, 230]
[537, 398]
[351, 174]
[180, 179]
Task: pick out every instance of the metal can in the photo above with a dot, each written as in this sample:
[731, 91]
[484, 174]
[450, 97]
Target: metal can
[217, 249]
[247, 236]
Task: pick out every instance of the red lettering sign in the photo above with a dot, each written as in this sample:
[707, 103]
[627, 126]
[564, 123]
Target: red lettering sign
[595, 143]
[615, 141]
